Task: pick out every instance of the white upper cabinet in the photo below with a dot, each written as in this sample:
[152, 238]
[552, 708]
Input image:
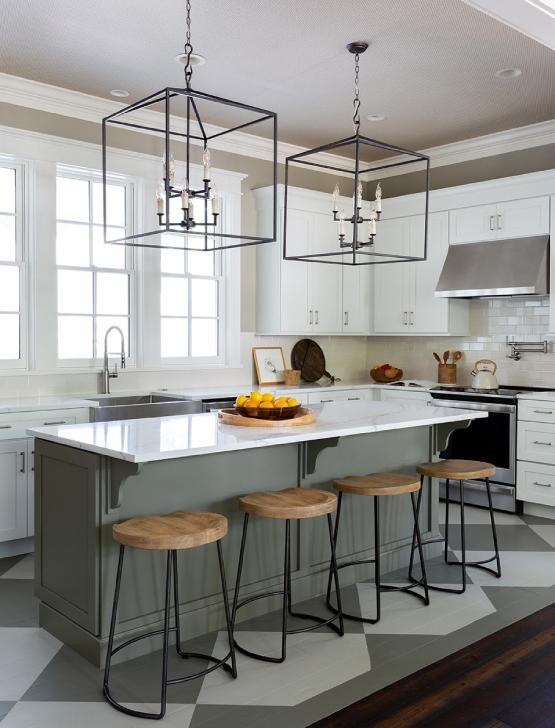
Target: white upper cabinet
[502, 220]
[300, 297]
[404, 292]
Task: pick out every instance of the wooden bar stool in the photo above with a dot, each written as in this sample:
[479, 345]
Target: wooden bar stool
[461, 470]
[171, 533]
[379, 485]
[289, 504]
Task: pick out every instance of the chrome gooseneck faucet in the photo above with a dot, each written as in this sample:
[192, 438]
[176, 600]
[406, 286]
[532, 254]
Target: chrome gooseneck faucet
[107, 374]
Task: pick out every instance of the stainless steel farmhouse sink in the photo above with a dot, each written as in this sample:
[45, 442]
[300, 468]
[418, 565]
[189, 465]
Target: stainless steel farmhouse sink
[141, 406]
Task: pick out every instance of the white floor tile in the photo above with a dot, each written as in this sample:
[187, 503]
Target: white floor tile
[88, 715]
[518, 568]
[403, 614]
[546, 532]
[315, 662]
[24, 653]
[24, 569]
[477, 516]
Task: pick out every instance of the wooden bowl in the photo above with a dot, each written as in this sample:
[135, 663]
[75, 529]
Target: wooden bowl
[378, 376]
[268, 413]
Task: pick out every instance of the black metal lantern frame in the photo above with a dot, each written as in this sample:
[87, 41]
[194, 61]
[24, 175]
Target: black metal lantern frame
[206, 227]
[357, 249]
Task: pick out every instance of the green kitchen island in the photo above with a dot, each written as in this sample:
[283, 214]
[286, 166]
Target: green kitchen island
[89, 476]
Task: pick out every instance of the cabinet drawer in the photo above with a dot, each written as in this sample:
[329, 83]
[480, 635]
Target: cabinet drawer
[536, 483]
[536, 442]
[15, 425]
[407, 396]
[536, 411]
[342, 396]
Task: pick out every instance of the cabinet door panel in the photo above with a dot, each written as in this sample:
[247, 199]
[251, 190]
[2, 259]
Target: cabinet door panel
[13, 489]
[473, 224]
[294, 274]
[326, 285]
[356, 299]
[430, 314]
[523, 217]
[392, 286]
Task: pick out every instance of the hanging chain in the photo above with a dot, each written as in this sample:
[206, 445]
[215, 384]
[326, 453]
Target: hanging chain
[356, 100]
[188, 47]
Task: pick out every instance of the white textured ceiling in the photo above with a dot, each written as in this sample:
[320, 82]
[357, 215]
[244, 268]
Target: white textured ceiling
[430, 67]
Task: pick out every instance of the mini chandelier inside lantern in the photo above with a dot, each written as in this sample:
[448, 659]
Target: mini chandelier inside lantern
[189, 208]
[357, 233]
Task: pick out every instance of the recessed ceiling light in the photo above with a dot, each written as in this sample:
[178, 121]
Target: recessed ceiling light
[375, 117]
[196, 59]
[508, 72]
[119, 92]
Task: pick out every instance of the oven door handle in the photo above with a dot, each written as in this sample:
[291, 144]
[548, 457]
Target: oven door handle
[458, 404]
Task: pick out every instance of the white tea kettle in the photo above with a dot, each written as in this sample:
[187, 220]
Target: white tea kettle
[484, 374]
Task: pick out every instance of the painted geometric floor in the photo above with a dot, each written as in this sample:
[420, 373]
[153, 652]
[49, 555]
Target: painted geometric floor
[46, 685]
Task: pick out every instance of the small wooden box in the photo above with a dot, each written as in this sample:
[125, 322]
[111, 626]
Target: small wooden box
[447, 373]
[292, 377]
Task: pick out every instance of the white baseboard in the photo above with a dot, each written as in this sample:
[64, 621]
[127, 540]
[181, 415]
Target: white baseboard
[534, 509]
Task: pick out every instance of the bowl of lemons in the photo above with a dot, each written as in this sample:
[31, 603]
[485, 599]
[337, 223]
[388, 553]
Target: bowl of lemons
[267, 406]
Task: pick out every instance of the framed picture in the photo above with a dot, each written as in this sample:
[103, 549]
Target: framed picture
[269, 363]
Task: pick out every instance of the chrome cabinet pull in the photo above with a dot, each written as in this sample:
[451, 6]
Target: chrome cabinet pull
[316, 317]
[310, 321]
[346, 320]
[499, 221]
[352, 399]
[543, 412]
[405, 318]
[543, 485]
[55, 422]
[22, 468]
[325, 401]
[411, 319]
[539, 442]
[491, 222]
[5, 427]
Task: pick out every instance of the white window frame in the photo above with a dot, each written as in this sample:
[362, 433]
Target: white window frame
[130, 269]
[21, 261]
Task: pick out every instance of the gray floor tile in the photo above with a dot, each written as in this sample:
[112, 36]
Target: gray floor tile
[243, 716]
[510, 538]
[18, 606]
[502, 596]
[9, 562]
[5, 707]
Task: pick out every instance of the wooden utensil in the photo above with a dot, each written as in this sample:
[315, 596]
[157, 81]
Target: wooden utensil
[436, 357]
[457, 356]
[446, 356]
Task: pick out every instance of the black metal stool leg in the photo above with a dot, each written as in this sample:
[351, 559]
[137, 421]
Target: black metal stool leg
[333, 567]
[413, 545]
[447, 497]
[493, 531]
[110, 646]
[239, 569]
[424, 580]
[335, 532]
[377, 564]
[286, 608]
[228, 624]
[180, 652]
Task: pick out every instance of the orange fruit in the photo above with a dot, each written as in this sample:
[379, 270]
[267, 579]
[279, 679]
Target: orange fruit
[250, 403]
[281, 402]
[266, 405]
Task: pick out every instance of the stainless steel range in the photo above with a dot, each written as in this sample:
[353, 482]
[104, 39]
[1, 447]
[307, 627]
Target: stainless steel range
[492, 439]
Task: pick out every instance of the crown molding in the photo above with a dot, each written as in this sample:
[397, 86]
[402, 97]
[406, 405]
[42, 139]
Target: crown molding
[74, 104]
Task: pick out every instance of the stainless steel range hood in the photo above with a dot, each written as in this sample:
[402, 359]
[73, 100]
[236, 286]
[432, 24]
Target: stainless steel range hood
[512, 267]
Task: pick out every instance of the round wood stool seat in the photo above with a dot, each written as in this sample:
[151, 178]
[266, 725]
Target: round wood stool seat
[290, 503]
[457, 469]
[378, 484]
[174, 531]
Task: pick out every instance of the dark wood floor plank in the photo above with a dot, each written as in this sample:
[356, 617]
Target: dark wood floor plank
[493, 680]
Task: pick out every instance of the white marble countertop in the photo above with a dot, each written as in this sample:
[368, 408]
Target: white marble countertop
[164, 438]
[541, 396]
[30, 404]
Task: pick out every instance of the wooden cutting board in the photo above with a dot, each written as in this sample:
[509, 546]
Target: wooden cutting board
[308, 356]
[304, 416]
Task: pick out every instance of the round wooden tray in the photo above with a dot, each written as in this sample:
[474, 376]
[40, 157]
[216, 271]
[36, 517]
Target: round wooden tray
[304, 416]
[377, 376]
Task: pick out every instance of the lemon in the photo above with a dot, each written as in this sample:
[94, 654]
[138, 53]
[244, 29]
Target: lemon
[267, 397]
[240, 401]
[265, 404]
[255, 396]
[292, 402]
[281, 402]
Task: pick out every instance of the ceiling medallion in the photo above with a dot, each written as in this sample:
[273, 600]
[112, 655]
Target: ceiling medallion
[356, 220]
[186, 210]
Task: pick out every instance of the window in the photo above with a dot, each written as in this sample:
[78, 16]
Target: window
[190, 303]
[11, 270]
[94, 279]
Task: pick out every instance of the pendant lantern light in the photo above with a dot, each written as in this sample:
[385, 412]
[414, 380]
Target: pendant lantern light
[187, 208]
[354, 224]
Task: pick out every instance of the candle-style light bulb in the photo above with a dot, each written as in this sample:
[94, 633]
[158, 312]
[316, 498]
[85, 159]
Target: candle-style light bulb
[215, 199]
[184, 197]
[160, 200]
[335, 197]
[359, 195]
[172, 169]
[372, 224]
[206, 165]
[341, 225]
[378, 201]
[191, 213]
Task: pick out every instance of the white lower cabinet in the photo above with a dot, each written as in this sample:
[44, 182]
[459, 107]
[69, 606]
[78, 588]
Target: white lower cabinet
[404, 395]
[536, 442]
[343, 395]
[14, 490]
[535, 483]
